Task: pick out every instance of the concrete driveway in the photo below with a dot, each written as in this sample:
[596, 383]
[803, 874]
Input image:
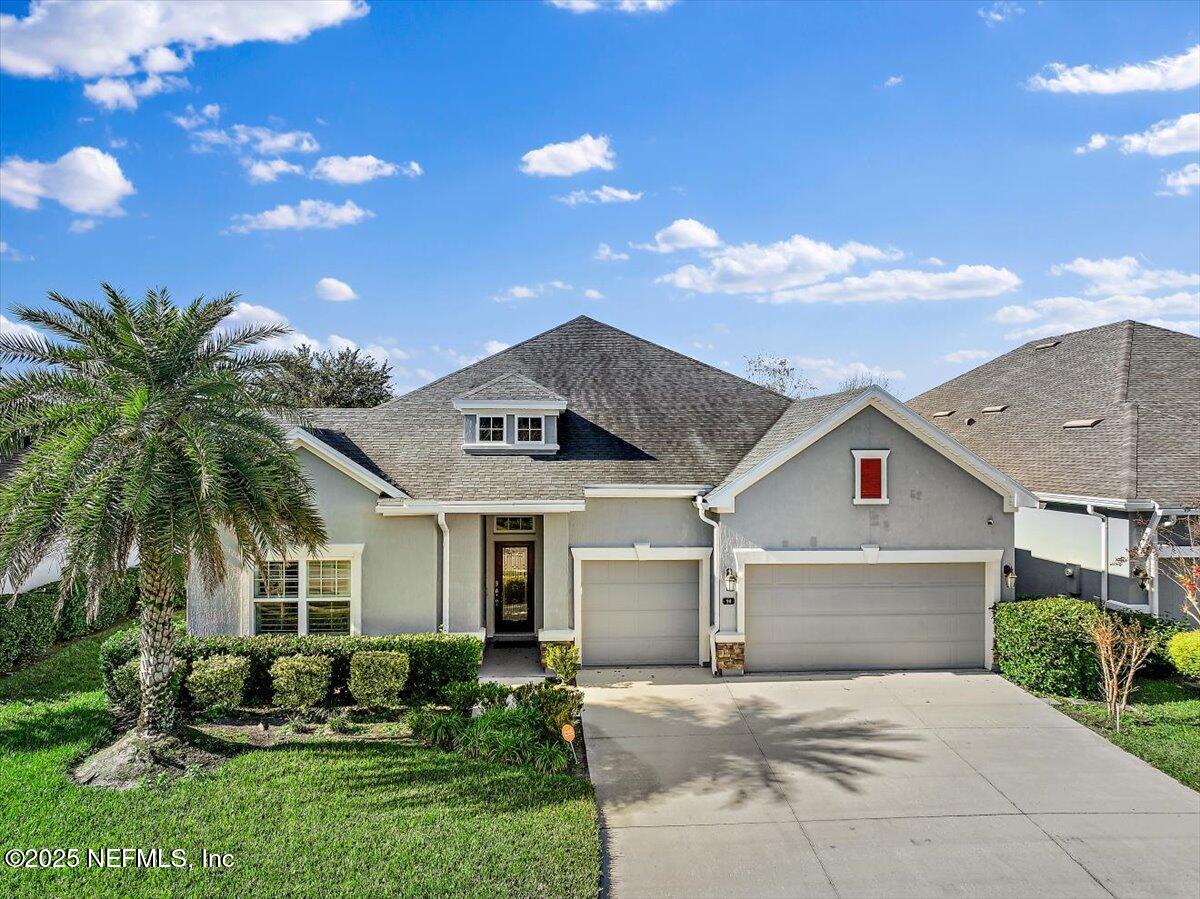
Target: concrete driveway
[905, 784]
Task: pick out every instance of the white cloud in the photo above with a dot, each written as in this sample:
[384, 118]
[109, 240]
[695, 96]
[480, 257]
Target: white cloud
[1058, 315]
[895, 285]
[1168, 73]
[334, 290]
[82, 226]
[682, 234]
[894, 81]
[354, 169]
[191, 119]
[494, 346]
[84, 180]
[570, 158]
[831, 371]
[121, 93]
[527, 292]
[592, 294]
[117, 143]
[1125, 275]
[261, 171]
[412, 169]
[753, 268]
[302, 216]
[19, 329]
[966, 356]
[604, 194]
[1181, 182]
[205, 135]
[250, 314]
[12, 254]
[933, 260]
[605, 254]
[581, 7]
[1000, 12]
[110, 41]
[1165, 138]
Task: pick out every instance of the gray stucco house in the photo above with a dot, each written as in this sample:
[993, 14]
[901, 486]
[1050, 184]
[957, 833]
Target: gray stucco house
[592, 487]
[1104, 426]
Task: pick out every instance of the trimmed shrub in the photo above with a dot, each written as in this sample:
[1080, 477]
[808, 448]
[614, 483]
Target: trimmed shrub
[1043, 645]
[554, 705]
[378, 678]
[1184, 651]
[564, 661]
[1158, 663]
[465, 696]
[301, 682]
[126, 689]
[30, 628]
[434, 660]
[218, 682]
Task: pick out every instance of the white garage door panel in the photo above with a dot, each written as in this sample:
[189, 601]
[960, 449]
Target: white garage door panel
[816, 617]
[641, 613]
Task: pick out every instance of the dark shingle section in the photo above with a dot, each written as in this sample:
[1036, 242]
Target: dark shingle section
[512, 386]
[1143, 381]
[637, 413]
[799, 417]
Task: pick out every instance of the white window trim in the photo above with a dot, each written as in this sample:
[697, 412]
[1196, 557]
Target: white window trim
[517, 430]
[351, 551]
[643, 552]
[479, 441]
[859, 455]
[871, 555]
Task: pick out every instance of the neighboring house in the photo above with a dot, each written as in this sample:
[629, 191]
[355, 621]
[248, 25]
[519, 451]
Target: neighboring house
[589, 486]
[1104, 426]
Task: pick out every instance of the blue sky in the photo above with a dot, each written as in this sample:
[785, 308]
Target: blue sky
[849, 185]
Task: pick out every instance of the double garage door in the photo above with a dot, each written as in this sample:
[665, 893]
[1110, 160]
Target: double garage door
[641, 613]
[825, 617]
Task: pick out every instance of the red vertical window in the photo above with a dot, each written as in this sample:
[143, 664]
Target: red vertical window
[870, 478]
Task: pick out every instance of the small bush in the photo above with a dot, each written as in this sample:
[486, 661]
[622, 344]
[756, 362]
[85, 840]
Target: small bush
[218, 682]
[554, 705]
[1159, 663]
[301, 682]
[1043, 645]
[126, 689]
[1184, 650]
[463, 697]
[377, 678]
[564, 661]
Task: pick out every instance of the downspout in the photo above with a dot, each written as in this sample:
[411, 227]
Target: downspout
[444, 528]
[1151, 534]
[715, 578]
[1091, 510]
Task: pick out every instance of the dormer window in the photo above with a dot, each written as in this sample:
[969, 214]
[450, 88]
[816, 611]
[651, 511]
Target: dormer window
[491, 428]
[529, 429]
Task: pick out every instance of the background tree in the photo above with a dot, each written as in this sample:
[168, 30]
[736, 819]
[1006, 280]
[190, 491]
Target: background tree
[779, 374]
[347, 379]
[145, 424]
[1157, 551]
[863, 380]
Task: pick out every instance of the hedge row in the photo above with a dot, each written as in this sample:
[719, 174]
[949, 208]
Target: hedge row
[1043, 644]
[30, 629]
[434, 660]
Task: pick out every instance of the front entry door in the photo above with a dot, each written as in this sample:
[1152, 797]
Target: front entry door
[513, 588]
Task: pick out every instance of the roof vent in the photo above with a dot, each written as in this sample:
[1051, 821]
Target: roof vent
[994, 408]
[1082, 423]
[943, 414]
[1047, 345]
[969, 420]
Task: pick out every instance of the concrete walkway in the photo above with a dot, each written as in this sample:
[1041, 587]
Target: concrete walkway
[890, 785]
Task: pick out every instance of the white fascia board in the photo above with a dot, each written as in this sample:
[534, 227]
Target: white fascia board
[486, 507]
[644, 491]
[347, 466]
[516, 407]
[722, 499]
[1107, 502]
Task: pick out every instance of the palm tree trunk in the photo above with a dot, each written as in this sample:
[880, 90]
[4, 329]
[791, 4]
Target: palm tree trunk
[158, 588]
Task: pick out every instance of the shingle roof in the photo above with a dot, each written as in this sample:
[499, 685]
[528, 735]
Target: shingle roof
[801, 415]
[1142, 381]
[510, 386]
[637, 413]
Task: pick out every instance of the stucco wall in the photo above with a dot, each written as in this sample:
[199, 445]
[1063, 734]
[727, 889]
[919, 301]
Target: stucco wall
[807, 502]
[1051, 540]
[400, 570]
[466, 572]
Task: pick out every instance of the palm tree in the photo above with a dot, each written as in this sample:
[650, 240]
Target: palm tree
[145, 424]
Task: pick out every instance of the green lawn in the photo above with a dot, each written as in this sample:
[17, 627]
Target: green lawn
[327, 818]
[1161, 726]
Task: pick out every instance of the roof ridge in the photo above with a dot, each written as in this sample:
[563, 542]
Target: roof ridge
[503, 376]
[1126, 361]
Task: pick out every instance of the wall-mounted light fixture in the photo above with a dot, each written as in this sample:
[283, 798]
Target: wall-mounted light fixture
[1010, 576]
[1069, 571]
[1143, 577]
[730, 580]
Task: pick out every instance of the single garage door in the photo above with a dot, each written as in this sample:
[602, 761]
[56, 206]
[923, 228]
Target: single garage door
[823, 617]
[641, 613]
